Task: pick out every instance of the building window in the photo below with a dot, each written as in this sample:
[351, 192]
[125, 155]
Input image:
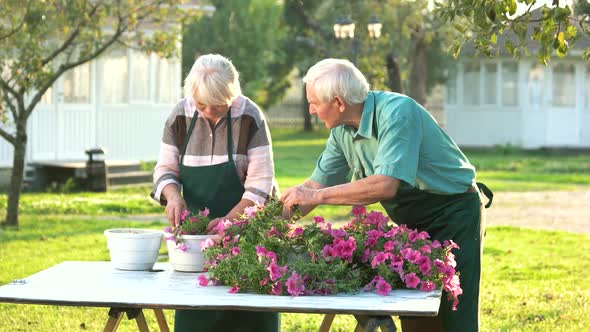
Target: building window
[140, 76]
[47, 97]
[564, 85]
[76, 85]
[509, 83]
[471, 83]
[115, 77]
[165, 81]
[536, 79]
[490, 83]
[452, 88]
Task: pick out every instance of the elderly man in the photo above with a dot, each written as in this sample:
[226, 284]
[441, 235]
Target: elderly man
[397, 155]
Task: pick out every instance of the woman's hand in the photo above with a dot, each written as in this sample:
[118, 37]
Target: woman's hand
[212, 227]
[175, 205]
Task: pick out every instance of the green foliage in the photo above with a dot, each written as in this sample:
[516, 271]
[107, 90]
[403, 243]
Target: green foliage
[251, 34]
[553, 28]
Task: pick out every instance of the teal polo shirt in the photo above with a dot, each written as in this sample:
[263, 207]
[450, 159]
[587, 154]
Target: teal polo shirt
[396, 137]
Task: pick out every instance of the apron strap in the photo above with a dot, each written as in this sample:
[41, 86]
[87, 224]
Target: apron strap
[487, 192]
[230, 143]
[188, 136]
[229, 136]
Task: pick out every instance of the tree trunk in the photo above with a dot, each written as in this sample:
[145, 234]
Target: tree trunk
[18, 172]
[419, 71]
[306, 116]
[393, 74]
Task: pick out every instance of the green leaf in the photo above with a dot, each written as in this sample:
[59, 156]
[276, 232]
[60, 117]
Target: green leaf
[494, 39]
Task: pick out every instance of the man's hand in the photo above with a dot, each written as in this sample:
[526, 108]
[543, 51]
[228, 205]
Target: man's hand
[301, 196]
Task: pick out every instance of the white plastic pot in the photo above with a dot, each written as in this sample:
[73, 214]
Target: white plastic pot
[133, 248]
[191, 259]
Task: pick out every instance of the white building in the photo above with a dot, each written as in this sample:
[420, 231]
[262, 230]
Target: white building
[520, 102]
[119, 101]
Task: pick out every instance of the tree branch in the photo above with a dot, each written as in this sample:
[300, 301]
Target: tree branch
[10, 105]
[8, 88]
[20, 25]
[310, 22]
[11, 139]
[68, 41]
[64, 67]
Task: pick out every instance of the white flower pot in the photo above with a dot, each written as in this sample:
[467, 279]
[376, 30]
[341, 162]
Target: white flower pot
[133, 248]
[191, 259]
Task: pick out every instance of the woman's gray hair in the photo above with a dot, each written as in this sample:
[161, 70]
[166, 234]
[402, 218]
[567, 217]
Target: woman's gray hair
[213, 80]
[337, 77]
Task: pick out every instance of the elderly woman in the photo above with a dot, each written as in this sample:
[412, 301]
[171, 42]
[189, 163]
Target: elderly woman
[216, 147]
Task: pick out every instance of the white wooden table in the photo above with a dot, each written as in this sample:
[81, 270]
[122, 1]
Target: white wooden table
[97, 284]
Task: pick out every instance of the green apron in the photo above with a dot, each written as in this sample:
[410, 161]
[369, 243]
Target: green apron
[218, 188]
[456, 217]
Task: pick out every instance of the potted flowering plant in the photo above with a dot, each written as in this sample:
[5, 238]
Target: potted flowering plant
[267, 254]
[184, 241]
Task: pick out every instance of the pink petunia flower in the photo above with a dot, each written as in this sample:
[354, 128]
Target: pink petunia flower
[184, 214]
[411, 280]
[294, 284]
[276, 271]
[234, 289]
[204, 213]
[203, 281]
[273, 232]
[207, 243]
[294, 231]
[318, 219]
[359, 210]
[182, 247]
[383, 288]
[235, 251]
[379, 259]
[276, 288]
[427, 286]
[250, 211]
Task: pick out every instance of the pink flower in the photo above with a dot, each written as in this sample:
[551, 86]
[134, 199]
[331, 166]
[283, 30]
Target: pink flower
[435, 244]
[250, 211]
[318, 220]
[294, 231]
[426, 249]
[389, 246]
[273, 232]
[182, 247]
[427, 286]
[193, 219]
[397, 264]
[207, 243]
[262, 252]
[204, 213]
[295, 284]
[168, 229]
[450, 244]
[276, 288]
[203, 281]
[411, 280]
[276, 271]
[377, 218]
[263, 282]
[234, 289]
[184, 214]
[235, 251]
[383, 288]
[359, 210]
[378, 259]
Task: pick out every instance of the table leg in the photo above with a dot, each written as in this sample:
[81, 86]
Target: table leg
[327, 322]
[161, 319]
[371, 323]
[115, 317]
[141, 323]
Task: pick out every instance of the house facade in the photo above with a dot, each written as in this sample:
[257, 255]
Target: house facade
[503, 100]
[118, 101]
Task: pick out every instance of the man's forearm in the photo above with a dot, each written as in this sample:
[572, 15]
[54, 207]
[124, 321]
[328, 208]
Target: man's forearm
[369, 190]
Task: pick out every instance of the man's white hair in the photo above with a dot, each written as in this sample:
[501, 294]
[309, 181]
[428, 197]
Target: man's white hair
[337, 77]
[213, 80]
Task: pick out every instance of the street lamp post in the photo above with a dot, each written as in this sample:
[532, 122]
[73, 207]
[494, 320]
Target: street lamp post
[344, 29]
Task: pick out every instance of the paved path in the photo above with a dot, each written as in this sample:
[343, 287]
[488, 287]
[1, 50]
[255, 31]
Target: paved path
[558, 210]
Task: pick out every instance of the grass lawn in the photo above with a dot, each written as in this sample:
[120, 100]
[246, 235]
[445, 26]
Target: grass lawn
[532, 280]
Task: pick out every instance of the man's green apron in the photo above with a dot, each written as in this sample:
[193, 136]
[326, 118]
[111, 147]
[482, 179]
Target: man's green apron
[456, 217]
[218, 188]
